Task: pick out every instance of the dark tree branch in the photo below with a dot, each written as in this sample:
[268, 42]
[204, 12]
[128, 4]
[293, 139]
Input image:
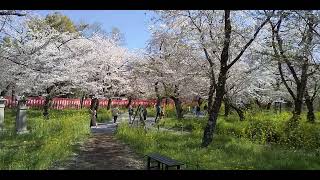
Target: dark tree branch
[285, 82]
[282, 55]
[250, 41]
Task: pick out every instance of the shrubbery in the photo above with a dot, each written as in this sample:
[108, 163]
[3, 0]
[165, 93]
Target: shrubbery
[262, 127]
[225, 152]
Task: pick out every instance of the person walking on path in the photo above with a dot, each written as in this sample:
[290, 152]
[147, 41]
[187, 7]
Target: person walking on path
[140, 114]
[158, 113]
[130, 111]
[115, 113]
[142, 117]
[93, 121]
[198, 111]
[145, 113]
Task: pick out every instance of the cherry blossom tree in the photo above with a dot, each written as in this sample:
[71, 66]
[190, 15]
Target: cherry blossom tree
[41, 56]
[45, 61]
[173, 67]
[7, 19]
[295, 42]
[213, 32]
[102, 71]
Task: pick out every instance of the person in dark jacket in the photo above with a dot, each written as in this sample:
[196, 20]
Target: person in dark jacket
[198, 111]
[115, 113]
[158, 113]
[145, 113]
[130, 111]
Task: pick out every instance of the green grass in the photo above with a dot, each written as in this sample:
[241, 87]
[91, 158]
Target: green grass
[104, 115]
[225, 152]
[49, 141]
[261, 127]
[170, 111]
[259, 142]
[151, 111]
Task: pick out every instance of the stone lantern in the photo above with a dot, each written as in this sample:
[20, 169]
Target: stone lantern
[2, 106]
[21, 117]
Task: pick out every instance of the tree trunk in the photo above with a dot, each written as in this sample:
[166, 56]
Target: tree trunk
[109, 104]
[93, 101]
[258, 103]
[302, 82]
[226, 108]
[13, 98]
[97, 105]
[220, 89]
[239, 112]
[224, 67]
[177, 104]
[129, 102]
[295, 119]
[82, 100]
[47, 103]
[310, 116]
[211, 89]
[156, 89]
[269, 106]
[213, 115]
[298, 105]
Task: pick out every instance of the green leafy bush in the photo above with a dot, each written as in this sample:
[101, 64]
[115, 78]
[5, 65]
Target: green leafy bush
[225, 152]
[262, 127]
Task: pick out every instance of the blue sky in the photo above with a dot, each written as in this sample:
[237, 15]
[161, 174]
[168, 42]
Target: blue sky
[133, 23]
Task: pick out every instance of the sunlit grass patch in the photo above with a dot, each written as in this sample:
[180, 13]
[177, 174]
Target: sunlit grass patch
[49, 141]
[231, 148]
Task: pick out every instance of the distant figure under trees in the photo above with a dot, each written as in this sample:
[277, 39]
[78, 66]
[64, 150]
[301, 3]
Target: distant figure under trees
[93, 121]
[198, 111]
[94, 105]
[144, 113]
[138, 113]
[158, 113]
[93, 111]
[115, 113]
[130, 111]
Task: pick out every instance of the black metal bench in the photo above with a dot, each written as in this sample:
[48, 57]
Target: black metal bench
[162, 160]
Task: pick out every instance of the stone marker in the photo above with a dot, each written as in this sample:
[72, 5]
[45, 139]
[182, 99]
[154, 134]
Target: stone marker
[21, 118]
[2, 105]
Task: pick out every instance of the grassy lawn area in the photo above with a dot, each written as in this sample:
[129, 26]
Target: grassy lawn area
[104, 115]
[259, 142]
[49, 141]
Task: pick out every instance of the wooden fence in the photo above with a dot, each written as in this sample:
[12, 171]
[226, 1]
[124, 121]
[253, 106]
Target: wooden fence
[68, 103]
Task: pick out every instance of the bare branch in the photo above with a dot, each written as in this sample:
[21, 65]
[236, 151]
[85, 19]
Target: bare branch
[250, 41]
